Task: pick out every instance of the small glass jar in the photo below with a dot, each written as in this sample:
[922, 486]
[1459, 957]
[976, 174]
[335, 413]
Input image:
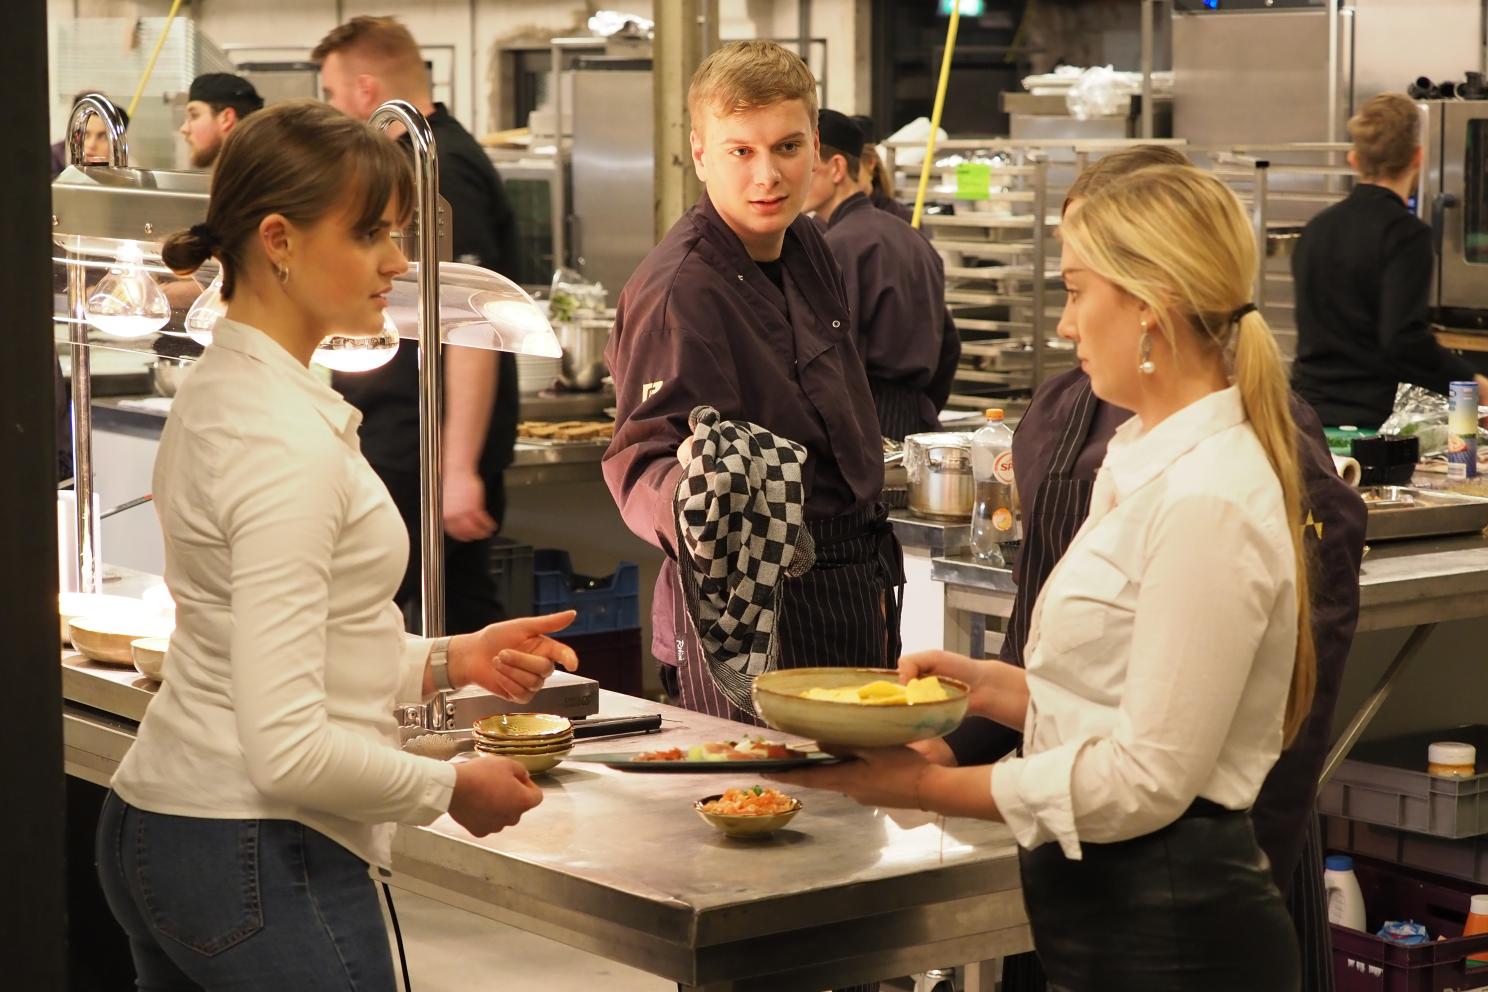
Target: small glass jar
[1449, 759]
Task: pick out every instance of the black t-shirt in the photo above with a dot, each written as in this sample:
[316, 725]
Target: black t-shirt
[1363, 275]
[774, 272]
[485, 233]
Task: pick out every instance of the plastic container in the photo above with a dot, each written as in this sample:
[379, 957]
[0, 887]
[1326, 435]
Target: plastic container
[1462, 430]
[994, 510]
[511, 570]
[1387, 782]
[1477, 923]
[1466, 859]
[1345, 900]
[611, 657]
[611, 602]
[1363, 962]
[1451, 759]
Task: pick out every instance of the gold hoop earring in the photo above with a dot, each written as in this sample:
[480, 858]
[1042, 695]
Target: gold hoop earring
[1144, 348]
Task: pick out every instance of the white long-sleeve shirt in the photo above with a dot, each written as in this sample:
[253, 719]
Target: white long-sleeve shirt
[283, 551]
[1161, 650]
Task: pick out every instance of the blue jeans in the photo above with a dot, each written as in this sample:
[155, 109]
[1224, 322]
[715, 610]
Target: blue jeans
[240, 904]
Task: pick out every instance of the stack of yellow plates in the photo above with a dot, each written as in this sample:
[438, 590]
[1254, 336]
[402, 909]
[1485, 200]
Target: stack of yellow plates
[536, 741]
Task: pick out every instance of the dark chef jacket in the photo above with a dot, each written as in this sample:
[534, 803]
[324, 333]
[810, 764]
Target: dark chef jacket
[896, 289]
[700, 323]
[484, 231]
[1363, 284]
[1286, 798]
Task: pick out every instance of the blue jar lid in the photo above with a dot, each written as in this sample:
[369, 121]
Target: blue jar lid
[1339, 862]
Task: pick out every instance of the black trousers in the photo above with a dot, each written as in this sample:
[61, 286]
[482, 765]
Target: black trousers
[470, 600]
[1188, 908]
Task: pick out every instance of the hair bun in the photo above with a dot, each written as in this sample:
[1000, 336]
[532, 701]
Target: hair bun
[185, 251]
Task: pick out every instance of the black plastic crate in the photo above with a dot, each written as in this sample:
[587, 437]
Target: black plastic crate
[511, 568]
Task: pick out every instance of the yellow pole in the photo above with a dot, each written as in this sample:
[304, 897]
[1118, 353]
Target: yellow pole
[940, 92]
[150, 66]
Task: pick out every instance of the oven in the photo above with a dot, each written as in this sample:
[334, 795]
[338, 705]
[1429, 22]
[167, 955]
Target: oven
[1454, 201]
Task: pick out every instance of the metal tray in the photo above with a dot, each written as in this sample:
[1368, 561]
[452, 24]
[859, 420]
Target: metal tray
[1401, 512]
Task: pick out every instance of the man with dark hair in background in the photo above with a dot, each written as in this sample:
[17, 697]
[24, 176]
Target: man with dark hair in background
[364, 63]
[215, 104]
[895, 288]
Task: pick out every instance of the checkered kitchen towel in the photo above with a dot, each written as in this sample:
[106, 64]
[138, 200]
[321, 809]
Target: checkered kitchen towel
[741, 532]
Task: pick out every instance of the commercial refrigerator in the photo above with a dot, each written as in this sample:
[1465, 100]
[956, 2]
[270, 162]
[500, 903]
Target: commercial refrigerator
[612, 168]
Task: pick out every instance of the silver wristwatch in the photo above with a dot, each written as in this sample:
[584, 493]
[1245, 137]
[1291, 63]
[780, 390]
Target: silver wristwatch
[439, 664]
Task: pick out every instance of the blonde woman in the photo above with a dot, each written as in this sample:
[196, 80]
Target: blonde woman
[1170, 654]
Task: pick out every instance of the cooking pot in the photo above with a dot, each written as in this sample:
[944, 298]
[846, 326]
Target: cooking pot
[168, 373]
[941, 485]
[583, 341]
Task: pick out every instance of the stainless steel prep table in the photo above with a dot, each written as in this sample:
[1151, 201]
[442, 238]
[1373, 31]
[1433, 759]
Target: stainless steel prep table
[1403, 584]
[617, 864]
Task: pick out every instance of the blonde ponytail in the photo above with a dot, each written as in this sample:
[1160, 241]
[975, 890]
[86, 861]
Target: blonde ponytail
[1261, 380]
[1178, 240]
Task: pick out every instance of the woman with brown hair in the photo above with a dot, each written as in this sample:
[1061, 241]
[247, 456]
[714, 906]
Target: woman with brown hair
[1170, 653]
[235, 845]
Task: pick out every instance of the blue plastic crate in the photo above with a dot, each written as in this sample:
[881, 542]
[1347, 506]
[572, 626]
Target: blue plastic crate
[611, 602]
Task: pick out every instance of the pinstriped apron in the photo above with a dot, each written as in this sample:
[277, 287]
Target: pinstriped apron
[842, 613]
[1059, 507]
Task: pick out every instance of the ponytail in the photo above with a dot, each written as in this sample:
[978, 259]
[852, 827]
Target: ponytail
[1261, 381]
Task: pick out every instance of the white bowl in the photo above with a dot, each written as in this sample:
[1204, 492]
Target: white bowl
[71, 605]
[148, 654]
[107, 638]
[778, 699]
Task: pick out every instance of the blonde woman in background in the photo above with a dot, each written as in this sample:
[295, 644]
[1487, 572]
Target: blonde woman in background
[1170, 653]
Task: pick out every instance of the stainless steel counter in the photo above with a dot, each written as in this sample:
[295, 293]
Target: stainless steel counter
[1414, 584]
[1402, 583]
[938, 537]
[531, 465]
[618, 864]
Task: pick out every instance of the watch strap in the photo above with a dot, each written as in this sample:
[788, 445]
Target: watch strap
[439, 664]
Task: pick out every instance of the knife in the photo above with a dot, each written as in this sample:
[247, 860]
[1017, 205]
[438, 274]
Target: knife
[610, 726]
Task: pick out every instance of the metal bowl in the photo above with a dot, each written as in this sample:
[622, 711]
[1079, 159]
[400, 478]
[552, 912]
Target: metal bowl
[168, 374]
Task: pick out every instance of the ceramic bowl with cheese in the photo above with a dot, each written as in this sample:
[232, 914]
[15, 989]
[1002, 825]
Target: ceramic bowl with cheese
[859, 707]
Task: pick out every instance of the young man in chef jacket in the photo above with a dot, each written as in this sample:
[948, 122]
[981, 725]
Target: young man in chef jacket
[742, 308]
[895, 288]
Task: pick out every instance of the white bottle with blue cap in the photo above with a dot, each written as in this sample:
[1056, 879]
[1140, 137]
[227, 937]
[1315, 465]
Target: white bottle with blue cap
[1345, 900]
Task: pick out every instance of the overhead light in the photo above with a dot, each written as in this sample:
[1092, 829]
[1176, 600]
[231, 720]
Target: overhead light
[359, 352]
[128, 303]
[205, 312]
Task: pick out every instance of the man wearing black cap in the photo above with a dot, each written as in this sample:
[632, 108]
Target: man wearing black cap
[215, 105]
[874, 178]
[895, 288]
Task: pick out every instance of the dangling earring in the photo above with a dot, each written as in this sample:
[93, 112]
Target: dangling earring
[1146, 367]
[283, 273]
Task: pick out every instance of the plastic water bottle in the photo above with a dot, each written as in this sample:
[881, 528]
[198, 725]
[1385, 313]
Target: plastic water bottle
[994, 511]
[1345, 901]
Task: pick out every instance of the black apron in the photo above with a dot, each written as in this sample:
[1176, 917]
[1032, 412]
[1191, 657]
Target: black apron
[843, 613]
[1059, 508]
